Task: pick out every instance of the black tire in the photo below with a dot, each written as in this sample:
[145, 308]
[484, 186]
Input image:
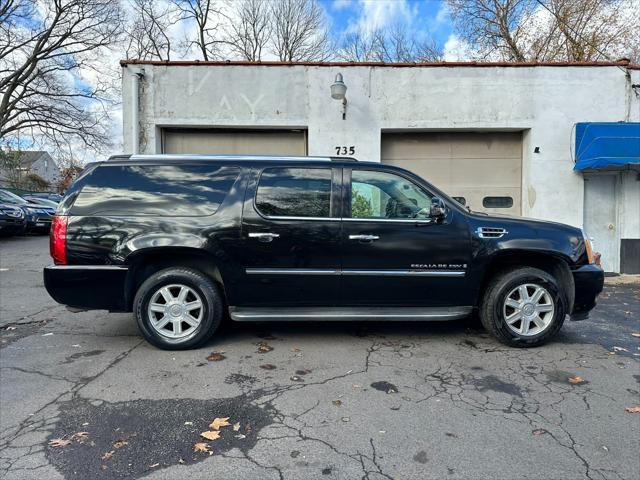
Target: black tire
[492, 313]
[207, 290]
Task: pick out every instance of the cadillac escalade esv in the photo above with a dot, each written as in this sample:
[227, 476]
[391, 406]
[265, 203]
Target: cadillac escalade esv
[184, 240]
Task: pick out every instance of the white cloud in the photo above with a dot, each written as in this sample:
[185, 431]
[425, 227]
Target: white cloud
[378, 14]
[456, 49]
[341, 4]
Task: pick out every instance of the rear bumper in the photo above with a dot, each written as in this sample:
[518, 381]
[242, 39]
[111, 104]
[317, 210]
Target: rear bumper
[589, 281]
[87, 287]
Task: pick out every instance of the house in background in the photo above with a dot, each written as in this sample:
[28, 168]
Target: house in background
[19, 170]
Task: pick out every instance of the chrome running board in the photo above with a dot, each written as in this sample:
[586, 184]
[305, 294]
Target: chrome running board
[249, 314]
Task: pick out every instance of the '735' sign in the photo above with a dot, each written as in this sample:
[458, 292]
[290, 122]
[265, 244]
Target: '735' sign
[344, 150]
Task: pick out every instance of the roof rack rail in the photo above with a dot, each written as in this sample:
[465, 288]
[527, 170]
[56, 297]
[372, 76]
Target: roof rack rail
[343, 159]
[118, 157]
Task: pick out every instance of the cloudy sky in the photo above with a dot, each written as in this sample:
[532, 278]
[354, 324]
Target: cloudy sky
[419, 15]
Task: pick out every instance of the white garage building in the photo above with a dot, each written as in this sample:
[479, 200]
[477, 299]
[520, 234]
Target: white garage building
[501, 138]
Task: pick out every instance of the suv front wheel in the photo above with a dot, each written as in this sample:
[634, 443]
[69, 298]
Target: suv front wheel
[178, 308]
[523, 307]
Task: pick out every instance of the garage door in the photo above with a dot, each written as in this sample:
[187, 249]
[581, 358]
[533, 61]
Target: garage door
[235, 142]
[483, 170]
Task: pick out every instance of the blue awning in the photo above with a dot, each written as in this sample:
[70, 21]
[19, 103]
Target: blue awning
[607, 146]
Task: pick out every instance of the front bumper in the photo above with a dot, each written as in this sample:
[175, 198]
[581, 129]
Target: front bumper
[87, 287]
[589, 281]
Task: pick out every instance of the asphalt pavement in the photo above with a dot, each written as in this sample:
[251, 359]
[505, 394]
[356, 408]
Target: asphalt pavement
[82, 396]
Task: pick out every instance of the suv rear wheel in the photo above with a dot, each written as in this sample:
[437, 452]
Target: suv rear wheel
[178, 308]
[523, 307]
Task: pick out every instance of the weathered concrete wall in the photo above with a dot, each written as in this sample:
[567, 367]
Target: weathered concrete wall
[543, 102]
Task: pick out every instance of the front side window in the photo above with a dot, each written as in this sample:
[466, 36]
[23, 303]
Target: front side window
[381, 195]
[294, 192]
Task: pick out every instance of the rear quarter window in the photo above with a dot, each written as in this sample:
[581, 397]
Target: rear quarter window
[158, 190]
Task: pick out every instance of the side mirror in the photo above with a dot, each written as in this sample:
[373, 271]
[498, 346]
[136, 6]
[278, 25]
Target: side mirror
[438, 208]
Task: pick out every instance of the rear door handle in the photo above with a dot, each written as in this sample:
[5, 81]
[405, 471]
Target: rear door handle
[264, 236]
[364, 238]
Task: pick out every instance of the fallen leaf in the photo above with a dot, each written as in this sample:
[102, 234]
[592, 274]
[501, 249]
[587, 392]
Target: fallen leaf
[219, 422]
[268, 366]
[264, 347]
[216, 357]
[211, 435]
[575, 380]
[636, 334]
[119, 444]
[236, 427]
[337, 403]
[59, 443]
[303, 371]
[80, 436]
[108, 455]
[295, 349]
[539, 431]
[201, 447]
[635, 409]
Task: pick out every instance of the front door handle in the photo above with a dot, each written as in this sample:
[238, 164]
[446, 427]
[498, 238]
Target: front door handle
[264, 236]
[364, 238]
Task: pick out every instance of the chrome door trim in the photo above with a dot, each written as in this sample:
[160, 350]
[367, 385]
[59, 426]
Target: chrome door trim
[389, 220]
[291, 271]
[326, 219]
[397, 273]
[88, 267]
[406, 273]
[347, 313]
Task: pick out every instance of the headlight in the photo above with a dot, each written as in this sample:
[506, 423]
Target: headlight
[588, 248]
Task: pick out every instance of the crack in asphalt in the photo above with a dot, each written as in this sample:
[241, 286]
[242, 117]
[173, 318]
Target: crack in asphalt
[529, 391]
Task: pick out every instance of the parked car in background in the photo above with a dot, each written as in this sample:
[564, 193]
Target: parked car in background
[41, 201]
[37, 215]
[12, 220]
[55, 197]
[180, 239]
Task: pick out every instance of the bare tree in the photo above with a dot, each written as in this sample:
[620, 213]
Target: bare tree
[299, 30]
[593, 29]
[250, 29]
[50, 85]
[492, 26]
[147, 35]
[207, 16]
[392, 45]
[549, 30]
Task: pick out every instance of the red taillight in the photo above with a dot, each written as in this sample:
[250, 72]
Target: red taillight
[58, 240]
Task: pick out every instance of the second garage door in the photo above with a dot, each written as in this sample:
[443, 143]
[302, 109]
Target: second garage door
[483, 170]
[235, 142]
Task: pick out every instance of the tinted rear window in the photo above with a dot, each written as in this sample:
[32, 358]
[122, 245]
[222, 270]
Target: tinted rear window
[165, 190]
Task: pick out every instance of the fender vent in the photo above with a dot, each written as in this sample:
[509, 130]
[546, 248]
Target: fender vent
[491, 232]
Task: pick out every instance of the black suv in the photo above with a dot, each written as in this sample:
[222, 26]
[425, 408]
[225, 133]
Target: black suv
[182, 239]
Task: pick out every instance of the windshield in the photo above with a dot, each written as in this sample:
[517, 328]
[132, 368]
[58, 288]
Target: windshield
[9, 197]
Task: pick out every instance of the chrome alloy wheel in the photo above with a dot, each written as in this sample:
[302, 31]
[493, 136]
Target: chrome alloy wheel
[528, 309]
[175, 311]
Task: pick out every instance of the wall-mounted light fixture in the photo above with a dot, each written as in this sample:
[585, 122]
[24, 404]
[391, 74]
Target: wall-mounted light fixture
[339, 92]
